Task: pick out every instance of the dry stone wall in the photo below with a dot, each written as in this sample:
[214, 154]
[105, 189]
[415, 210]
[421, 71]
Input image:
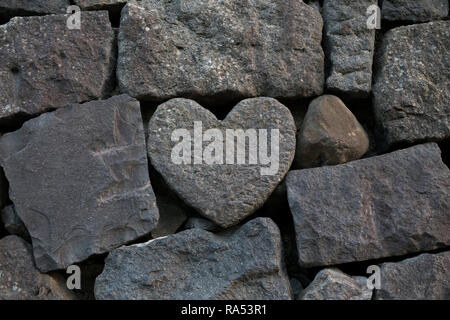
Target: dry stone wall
[255, 149]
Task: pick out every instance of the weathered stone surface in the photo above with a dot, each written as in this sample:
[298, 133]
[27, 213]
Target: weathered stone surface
[224, 193]
[330, 134]
[20, 280]
[333, 284]
[228, 49]
[79, 180]
[45, 65]
[12, 222]
[412, 85]
[378, 207]
[414, 10]
[194, 222]
[425, 277]
[349, 46]
[10, 8]
[99, 4]
[241, 264]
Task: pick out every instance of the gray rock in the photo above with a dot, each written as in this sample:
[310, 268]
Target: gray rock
[349, 46]
[99, 4]
[79, 180]
[330, 135]
[412, 86]
[220, 49]
[12, 222]
[425, 277]
[204, 224]
[45, 65]
[10, 8]
[197, 265]
[414, 10]
[333, 284]
[384, 206]
[224, 193]
[20, 280]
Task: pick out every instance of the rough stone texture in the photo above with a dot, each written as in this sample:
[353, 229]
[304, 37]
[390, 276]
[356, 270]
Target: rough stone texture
[412, 85]
[349, 46]
[333, 284]
[241, 264]
[224, 49]
[426, 277]
[99, 4]
[79, 180]
[194, 222]
[10, 8]
[330, 135]
[223, 193]
[20, 280]
[378, 207]
[414, 10]
[45, 65]
[12, 222]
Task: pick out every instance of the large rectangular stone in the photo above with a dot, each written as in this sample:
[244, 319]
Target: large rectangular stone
[349, 45]
[220, 49]
[384, 206]
[45, 65]
[412, 85]
[79, 180]
[425, 277]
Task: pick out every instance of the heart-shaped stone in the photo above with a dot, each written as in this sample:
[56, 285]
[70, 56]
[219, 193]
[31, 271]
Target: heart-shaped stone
[217, 184]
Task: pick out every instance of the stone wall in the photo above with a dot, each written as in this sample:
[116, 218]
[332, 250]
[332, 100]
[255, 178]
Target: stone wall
[253, 149]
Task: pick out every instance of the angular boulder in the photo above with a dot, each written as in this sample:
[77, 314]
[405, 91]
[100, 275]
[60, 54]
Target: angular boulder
[333, 284]
[414, 10]
[384, 206]
[412, 86]
[46, 65]
[330, 134]
[425, 277]
[19, 278]
[79, 180]
[244, 263]
[349, 46]
[223, 191]
[220, 49]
